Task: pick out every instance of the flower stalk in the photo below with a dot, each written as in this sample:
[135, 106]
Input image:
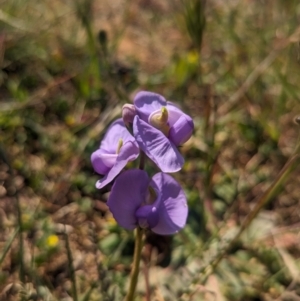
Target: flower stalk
[136, 264]
[142, 160]
[151, 128]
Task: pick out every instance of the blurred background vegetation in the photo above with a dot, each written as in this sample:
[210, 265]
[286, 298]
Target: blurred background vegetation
[67, 67]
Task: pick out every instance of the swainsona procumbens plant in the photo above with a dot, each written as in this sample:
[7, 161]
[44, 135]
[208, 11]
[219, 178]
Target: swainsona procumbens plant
[138, 201]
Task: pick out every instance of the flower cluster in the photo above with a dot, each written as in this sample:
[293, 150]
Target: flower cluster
[158, 127]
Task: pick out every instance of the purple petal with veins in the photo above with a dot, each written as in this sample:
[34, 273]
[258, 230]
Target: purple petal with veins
[127, 195]
[114, 133]
[182, 130]
[157, 146]
[173, 209]
[117, 148]
[168, 122]
[148, 102]
[102, 161]
[128, 202]
[129, 152]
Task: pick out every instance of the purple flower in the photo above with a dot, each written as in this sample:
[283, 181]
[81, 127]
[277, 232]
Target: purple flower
[117, 148]
[158, 203]
[159, 128]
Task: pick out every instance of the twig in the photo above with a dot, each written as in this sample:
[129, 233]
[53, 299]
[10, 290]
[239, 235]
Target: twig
[5, 158]
[71, 267]
[136, 264]
[8, 245]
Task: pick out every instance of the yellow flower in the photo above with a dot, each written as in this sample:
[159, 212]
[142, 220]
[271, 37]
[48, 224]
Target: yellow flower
[110, 220]
[52, 241]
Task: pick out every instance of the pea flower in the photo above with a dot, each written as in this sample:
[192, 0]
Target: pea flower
[117, 148]
[159, 127]
[158, 203]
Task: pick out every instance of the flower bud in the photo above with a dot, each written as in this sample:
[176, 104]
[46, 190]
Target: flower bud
[128, 113]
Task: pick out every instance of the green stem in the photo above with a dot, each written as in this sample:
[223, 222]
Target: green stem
[71, 267]
[4, 157]
[136, 264]
[8, 245]
[21, 243]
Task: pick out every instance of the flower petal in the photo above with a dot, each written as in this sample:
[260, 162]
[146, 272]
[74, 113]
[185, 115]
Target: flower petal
[148, 102]
[128, 152]
[127, 195]
[102, 162]
[157, 146]
[147, 216]
[114, 133]
[128, 113]
[174, 113]
[182, 130]
[173, 209]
